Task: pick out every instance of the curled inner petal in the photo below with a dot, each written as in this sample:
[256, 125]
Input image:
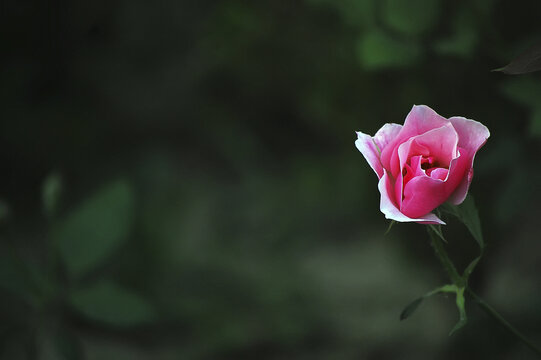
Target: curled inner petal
[423, 193]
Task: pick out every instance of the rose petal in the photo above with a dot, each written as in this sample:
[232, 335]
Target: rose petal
[386, 134]
[472, 135]
[439, 143]
[368, 148]
[390, 210]
[423, 194]
[439, 174]
[371, 147]
[458, 196]
[420, 119]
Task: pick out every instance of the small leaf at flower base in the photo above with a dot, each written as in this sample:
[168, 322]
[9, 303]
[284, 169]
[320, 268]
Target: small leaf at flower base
[410, 309]
[470, 217]
[528, 61]
[460, 303]
[467, 213]
[108, 303]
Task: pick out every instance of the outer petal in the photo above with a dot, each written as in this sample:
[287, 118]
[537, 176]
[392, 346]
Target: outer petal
[388, 207]
[368, 148]
[458, 196]
[386, 134]
[371, 147]
[472, 136]
[420, 119]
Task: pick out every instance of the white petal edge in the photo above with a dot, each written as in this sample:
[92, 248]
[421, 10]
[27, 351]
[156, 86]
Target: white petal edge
[368, 148]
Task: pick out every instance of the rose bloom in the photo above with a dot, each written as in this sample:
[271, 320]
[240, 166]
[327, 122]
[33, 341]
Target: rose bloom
[424, 163]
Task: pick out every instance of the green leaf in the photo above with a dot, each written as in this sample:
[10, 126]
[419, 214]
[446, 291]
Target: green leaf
[51, 192]
[410, 309]
[95, 229]
[467, 213]
[470, 217]
[411, 17]
[377, 50]
[460, 303]
[108, 303]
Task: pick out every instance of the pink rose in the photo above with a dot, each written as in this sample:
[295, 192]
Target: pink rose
[422, 164]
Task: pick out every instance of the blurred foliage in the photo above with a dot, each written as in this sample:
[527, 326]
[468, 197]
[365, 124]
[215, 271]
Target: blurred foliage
[180, 179]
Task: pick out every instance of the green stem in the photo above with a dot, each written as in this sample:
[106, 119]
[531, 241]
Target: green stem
[450, 268]
[496, 316]
[444, 258]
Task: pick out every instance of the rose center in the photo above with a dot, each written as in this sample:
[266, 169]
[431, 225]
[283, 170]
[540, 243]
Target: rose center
[428, 163]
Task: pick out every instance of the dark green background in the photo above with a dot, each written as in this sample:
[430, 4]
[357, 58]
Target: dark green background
[179, 179]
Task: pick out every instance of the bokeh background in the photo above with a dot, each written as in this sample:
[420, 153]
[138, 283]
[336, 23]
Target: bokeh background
[179, 179]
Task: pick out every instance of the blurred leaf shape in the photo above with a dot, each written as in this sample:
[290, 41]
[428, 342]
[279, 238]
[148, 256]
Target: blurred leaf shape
[96, 228]
[108, 303]
[527, 62]
[412, 17]
[377, 50]
[463, 38]
[50, 193]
